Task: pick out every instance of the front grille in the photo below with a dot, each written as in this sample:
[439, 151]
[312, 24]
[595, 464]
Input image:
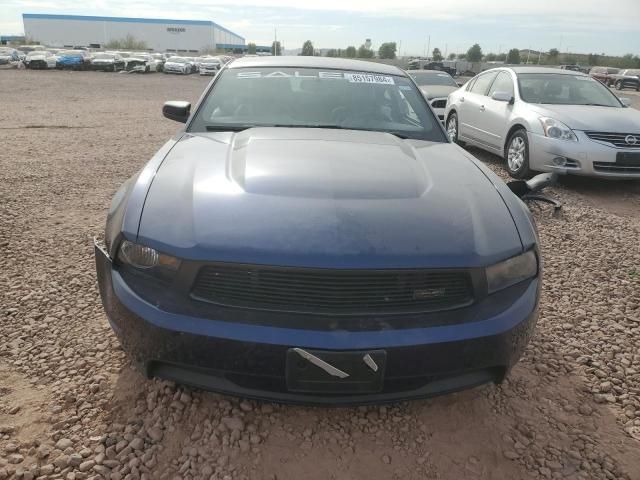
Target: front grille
[615, 139]
[620, 168]
[333, 292]
[439, 103]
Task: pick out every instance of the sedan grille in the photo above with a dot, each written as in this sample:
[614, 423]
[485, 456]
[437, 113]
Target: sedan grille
[618, 167]
[333, 292]
[439, 103]
[620, 140]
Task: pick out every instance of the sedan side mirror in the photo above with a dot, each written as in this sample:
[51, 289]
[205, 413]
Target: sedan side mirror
[177, 110]
[625, 101]
[502, 97]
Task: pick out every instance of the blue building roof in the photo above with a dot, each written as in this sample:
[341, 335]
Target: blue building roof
[93, 18]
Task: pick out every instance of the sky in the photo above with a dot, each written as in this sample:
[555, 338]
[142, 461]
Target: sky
[580, 26]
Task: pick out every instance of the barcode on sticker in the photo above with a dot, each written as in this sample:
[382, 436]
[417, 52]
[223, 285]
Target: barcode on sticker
[369, 78]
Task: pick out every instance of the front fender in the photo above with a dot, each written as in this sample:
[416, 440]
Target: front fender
[125, 212]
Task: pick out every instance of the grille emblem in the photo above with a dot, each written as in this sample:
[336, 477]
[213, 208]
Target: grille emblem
[631, 140]
[428, 293]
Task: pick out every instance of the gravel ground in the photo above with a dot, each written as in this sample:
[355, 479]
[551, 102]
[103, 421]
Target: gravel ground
[72, 407]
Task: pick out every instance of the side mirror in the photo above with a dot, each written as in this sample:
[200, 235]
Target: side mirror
[502, 97]
[177, 110]
[625, 101]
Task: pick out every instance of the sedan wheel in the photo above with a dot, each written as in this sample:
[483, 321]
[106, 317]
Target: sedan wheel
[517, 155]
[452, 128]
[618, 85]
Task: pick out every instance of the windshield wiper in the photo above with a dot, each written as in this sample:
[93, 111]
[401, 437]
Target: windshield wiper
[339, 127]
[227, 128]
[595, 104]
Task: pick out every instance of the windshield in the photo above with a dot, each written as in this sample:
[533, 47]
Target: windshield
[433, 78]
[314, 98]
[562, 89]
[177, 60]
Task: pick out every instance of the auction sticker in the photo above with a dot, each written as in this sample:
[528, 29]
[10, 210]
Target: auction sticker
[369, 78]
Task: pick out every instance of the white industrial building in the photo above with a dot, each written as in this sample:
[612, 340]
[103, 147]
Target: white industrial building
[159, 34]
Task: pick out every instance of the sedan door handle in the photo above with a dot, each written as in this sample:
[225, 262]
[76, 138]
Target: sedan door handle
[482, 108]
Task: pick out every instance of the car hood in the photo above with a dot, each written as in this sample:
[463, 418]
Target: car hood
[590, 117]
[437, 91]
[333, 198]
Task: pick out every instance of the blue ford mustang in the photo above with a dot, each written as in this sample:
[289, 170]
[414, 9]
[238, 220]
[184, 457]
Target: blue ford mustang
[312, 236]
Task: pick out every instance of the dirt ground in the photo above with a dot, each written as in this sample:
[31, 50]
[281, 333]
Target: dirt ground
[71, 406]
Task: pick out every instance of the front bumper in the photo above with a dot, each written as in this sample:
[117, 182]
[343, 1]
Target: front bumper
[584, 157]
[250, 360]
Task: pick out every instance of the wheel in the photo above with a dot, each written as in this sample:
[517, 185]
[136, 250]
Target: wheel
[452, 128]
[516, 154]
[618, 85]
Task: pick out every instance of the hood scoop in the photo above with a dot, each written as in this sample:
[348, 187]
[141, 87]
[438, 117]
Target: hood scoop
[323, 163]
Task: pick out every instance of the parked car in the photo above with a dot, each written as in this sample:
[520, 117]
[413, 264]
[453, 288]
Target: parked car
[193, 63]
[604, 74]
[436, 86]
[629, 78]
[545, 119]
[40, 59]
[73, 59]
[177, 65]
[141, 63]
[333, 246]
[9, 57]
[158, 61]
[210, 66]
[107, 62]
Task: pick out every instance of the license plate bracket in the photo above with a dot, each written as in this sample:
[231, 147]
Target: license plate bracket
[628, 159]
[364, 376]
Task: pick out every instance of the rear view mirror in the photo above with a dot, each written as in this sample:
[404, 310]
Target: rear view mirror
[502, 96]
[625, 101]
[177, 110]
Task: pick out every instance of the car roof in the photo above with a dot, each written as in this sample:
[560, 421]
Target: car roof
[316, 62]
[525, 69]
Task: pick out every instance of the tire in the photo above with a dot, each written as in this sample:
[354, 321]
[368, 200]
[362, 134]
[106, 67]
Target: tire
[452, 128]
[618, 85]
[516, 154]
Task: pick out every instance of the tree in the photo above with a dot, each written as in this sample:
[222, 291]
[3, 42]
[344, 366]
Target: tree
[490, 57]
[307, 49]
[364, 52]
[350, 52]
[251, 48]
[474, 54]
[593, 59]
[452, 56]
[513, 57]
[332, 52]
[553, 53]
[276, 48]
[387, 50]
[436, 55]
[127, 43]
[462, 56]
[501, 57]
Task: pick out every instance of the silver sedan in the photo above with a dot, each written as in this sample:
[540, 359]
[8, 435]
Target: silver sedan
[544, 119]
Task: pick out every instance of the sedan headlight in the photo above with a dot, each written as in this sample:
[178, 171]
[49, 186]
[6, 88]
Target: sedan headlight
[511, 271]
[556, 129]
[148, 260]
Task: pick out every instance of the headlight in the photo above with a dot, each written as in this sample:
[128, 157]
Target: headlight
[145, 258]
[558, 130]
[511, 271]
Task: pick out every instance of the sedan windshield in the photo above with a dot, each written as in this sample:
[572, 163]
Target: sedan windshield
[562, 89]
[433, 78]
[313, 98]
